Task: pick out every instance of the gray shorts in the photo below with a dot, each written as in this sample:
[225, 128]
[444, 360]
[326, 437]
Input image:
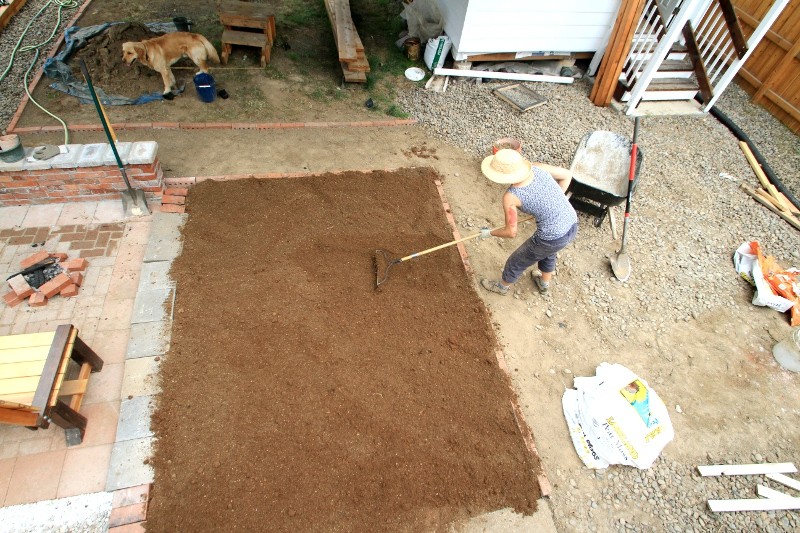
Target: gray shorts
[536, 250]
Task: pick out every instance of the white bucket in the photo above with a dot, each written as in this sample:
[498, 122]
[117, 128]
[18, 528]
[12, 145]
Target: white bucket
[436, 51]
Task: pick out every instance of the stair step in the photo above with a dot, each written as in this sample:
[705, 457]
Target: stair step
[673, 65]
[244, 38]
[672, 84]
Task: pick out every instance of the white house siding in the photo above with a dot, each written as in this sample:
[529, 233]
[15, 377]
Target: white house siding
[524, 27]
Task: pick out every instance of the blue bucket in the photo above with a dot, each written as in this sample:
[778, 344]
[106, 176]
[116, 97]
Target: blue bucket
[204, 84]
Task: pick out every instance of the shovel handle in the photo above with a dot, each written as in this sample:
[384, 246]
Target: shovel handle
[451, 243]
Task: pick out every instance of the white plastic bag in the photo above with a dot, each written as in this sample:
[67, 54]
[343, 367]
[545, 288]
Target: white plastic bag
[436, 51]
[746, 263]
[615, 417]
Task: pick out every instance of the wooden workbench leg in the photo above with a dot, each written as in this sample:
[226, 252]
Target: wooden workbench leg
[68, 418]
[81, 354]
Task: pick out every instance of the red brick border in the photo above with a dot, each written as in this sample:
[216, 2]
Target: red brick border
[527, 436]
[129, 509]
[207, 125]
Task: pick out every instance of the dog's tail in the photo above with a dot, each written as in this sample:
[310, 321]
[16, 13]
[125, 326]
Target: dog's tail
[210, 50]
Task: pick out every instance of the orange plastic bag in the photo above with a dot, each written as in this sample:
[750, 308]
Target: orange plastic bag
[784, 283]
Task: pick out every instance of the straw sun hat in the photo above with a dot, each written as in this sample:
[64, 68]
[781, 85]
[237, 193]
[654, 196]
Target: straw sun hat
[506, 166]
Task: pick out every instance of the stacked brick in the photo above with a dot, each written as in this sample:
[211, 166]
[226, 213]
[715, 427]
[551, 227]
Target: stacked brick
[65, 283]
[86, 172]
[174, 200]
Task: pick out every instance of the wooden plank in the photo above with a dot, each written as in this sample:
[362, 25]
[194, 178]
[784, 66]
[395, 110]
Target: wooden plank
[353, 76]
[359, 65]
[766, 492]
[75, 402]
[73, 386]
[21, 370]
[786, 480]
[21, 418]
[770, 188]
[6, 12]
[761, 504]
[26, 341]
[778, 71]
[746, 470]
[20, 355]
[501, 75]
[16, 386]
[50, 373]
[701, 75]
[769, 206]
[734, 29]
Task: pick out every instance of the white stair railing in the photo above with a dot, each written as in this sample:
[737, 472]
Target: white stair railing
[726, 64]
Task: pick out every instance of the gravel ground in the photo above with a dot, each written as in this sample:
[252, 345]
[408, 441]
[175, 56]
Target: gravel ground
[12, 88]
[689, 218]
[87, 513]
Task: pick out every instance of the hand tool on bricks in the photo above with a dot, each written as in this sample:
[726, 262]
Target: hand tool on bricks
[133, 200]
[383, 263]
[621, 263]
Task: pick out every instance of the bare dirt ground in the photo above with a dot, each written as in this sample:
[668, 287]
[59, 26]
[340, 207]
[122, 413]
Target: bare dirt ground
[735, 400]
[315, 399]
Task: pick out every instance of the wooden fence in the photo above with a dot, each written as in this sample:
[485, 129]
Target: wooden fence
[772, 73]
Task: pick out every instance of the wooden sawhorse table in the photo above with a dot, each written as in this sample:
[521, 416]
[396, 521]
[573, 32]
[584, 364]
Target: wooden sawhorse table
[37, 385]
[247, 24]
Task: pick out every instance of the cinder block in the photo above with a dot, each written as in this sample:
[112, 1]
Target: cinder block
[54, 286]
[12, 300]
[20, 286]
[68, 159]
[77, 264]
[36, 164]
[37, 299]
[33, 259]
[92, 155]
[123, 149]
[69, 291]
[143, 153]
[77, 278]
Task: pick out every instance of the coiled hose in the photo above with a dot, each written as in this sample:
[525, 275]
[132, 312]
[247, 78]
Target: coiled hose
[742, 136]
[62, 4]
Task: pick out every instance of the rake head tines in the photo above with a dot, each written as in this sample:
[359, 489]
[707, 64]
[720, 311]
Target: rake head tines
[382, 266]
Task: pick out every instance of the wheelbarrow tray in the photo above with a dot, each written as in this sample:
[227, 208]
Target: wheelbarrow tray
[600, 170]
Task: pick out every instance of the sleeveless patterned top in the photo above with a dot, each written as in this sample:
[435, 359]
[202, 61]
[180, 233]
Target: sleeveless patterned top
[545, 200]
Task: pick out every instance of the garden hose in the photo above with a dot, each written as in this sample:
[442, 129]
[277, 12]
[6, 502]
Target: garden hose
[62, 4]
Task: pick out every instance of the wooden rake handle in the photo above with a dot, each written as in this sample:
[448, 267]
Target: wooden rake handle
[451, 243]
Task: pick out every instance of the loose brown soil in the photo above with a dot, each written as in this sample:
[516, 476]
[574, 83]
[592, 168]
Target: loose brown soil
[296, 397]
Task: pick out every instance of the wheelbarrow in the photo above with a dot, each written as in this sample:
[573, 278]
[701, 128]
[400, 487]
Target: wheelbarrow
[600, 173]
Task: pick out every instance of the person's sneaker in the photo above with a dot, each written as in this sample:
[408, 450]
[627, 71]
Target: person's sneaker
[542, 285]
[494, 286]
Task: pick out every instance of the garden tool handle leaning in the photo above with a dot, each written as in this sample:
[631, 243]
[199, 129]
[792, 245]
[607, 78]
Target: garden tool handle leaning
[631, 174]
[451, 243]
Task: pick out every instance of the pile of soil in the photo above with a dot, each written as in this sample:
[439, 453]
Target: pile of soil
[296, 397]
[103, 56]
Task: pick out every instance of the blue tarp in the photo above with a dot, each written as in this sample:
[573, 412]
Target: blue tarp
[75, 38]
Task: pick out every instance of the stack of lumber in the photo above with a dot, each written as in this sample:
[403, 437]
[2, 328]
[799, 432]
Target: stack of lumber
[769, 196]
[351, 50]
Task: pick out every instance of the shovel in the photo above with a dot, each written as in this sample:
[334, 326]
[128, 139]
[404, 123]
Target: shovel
[133, 200]
[621, 263]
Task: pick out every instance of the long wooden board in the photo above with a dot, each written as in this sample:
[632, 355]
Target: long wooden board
[6, 12]
[348, 43]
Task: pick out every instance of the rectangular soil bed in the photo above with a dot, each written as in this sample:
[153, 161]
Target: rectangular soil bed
[298, 398]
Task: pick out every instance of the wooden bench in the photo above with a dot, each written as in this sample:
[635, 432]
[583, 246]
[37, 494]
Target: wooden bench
[39, 386]
[247, 24]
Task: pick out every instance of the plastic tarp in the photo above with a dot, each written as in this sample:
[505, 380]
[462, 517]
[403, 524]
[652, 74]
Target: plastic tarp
[75, 38]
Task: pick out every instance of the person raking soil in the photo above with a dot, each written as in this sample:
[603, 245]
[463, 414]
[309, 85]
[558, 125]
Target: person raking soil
[539, 190]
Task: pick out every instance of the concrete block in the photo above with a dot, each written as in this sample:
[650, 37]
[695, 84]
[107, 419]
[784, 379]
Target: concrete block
[36, 164]
[69, 159]
[149, 339]
[123, 149]
[92, 155]
[134, 418]
[143, 153]
[149, 306]
[128, 468]
[141, 377]
[155, 275]
[165, 243]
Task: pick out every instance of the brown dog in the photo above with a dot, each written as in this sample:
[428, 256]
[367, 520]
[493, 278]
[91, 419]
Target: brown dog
[162, 52]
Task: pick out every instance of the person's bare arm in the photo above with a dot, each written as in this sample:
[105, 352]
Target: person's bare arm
[510, 204]
[562, 175]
